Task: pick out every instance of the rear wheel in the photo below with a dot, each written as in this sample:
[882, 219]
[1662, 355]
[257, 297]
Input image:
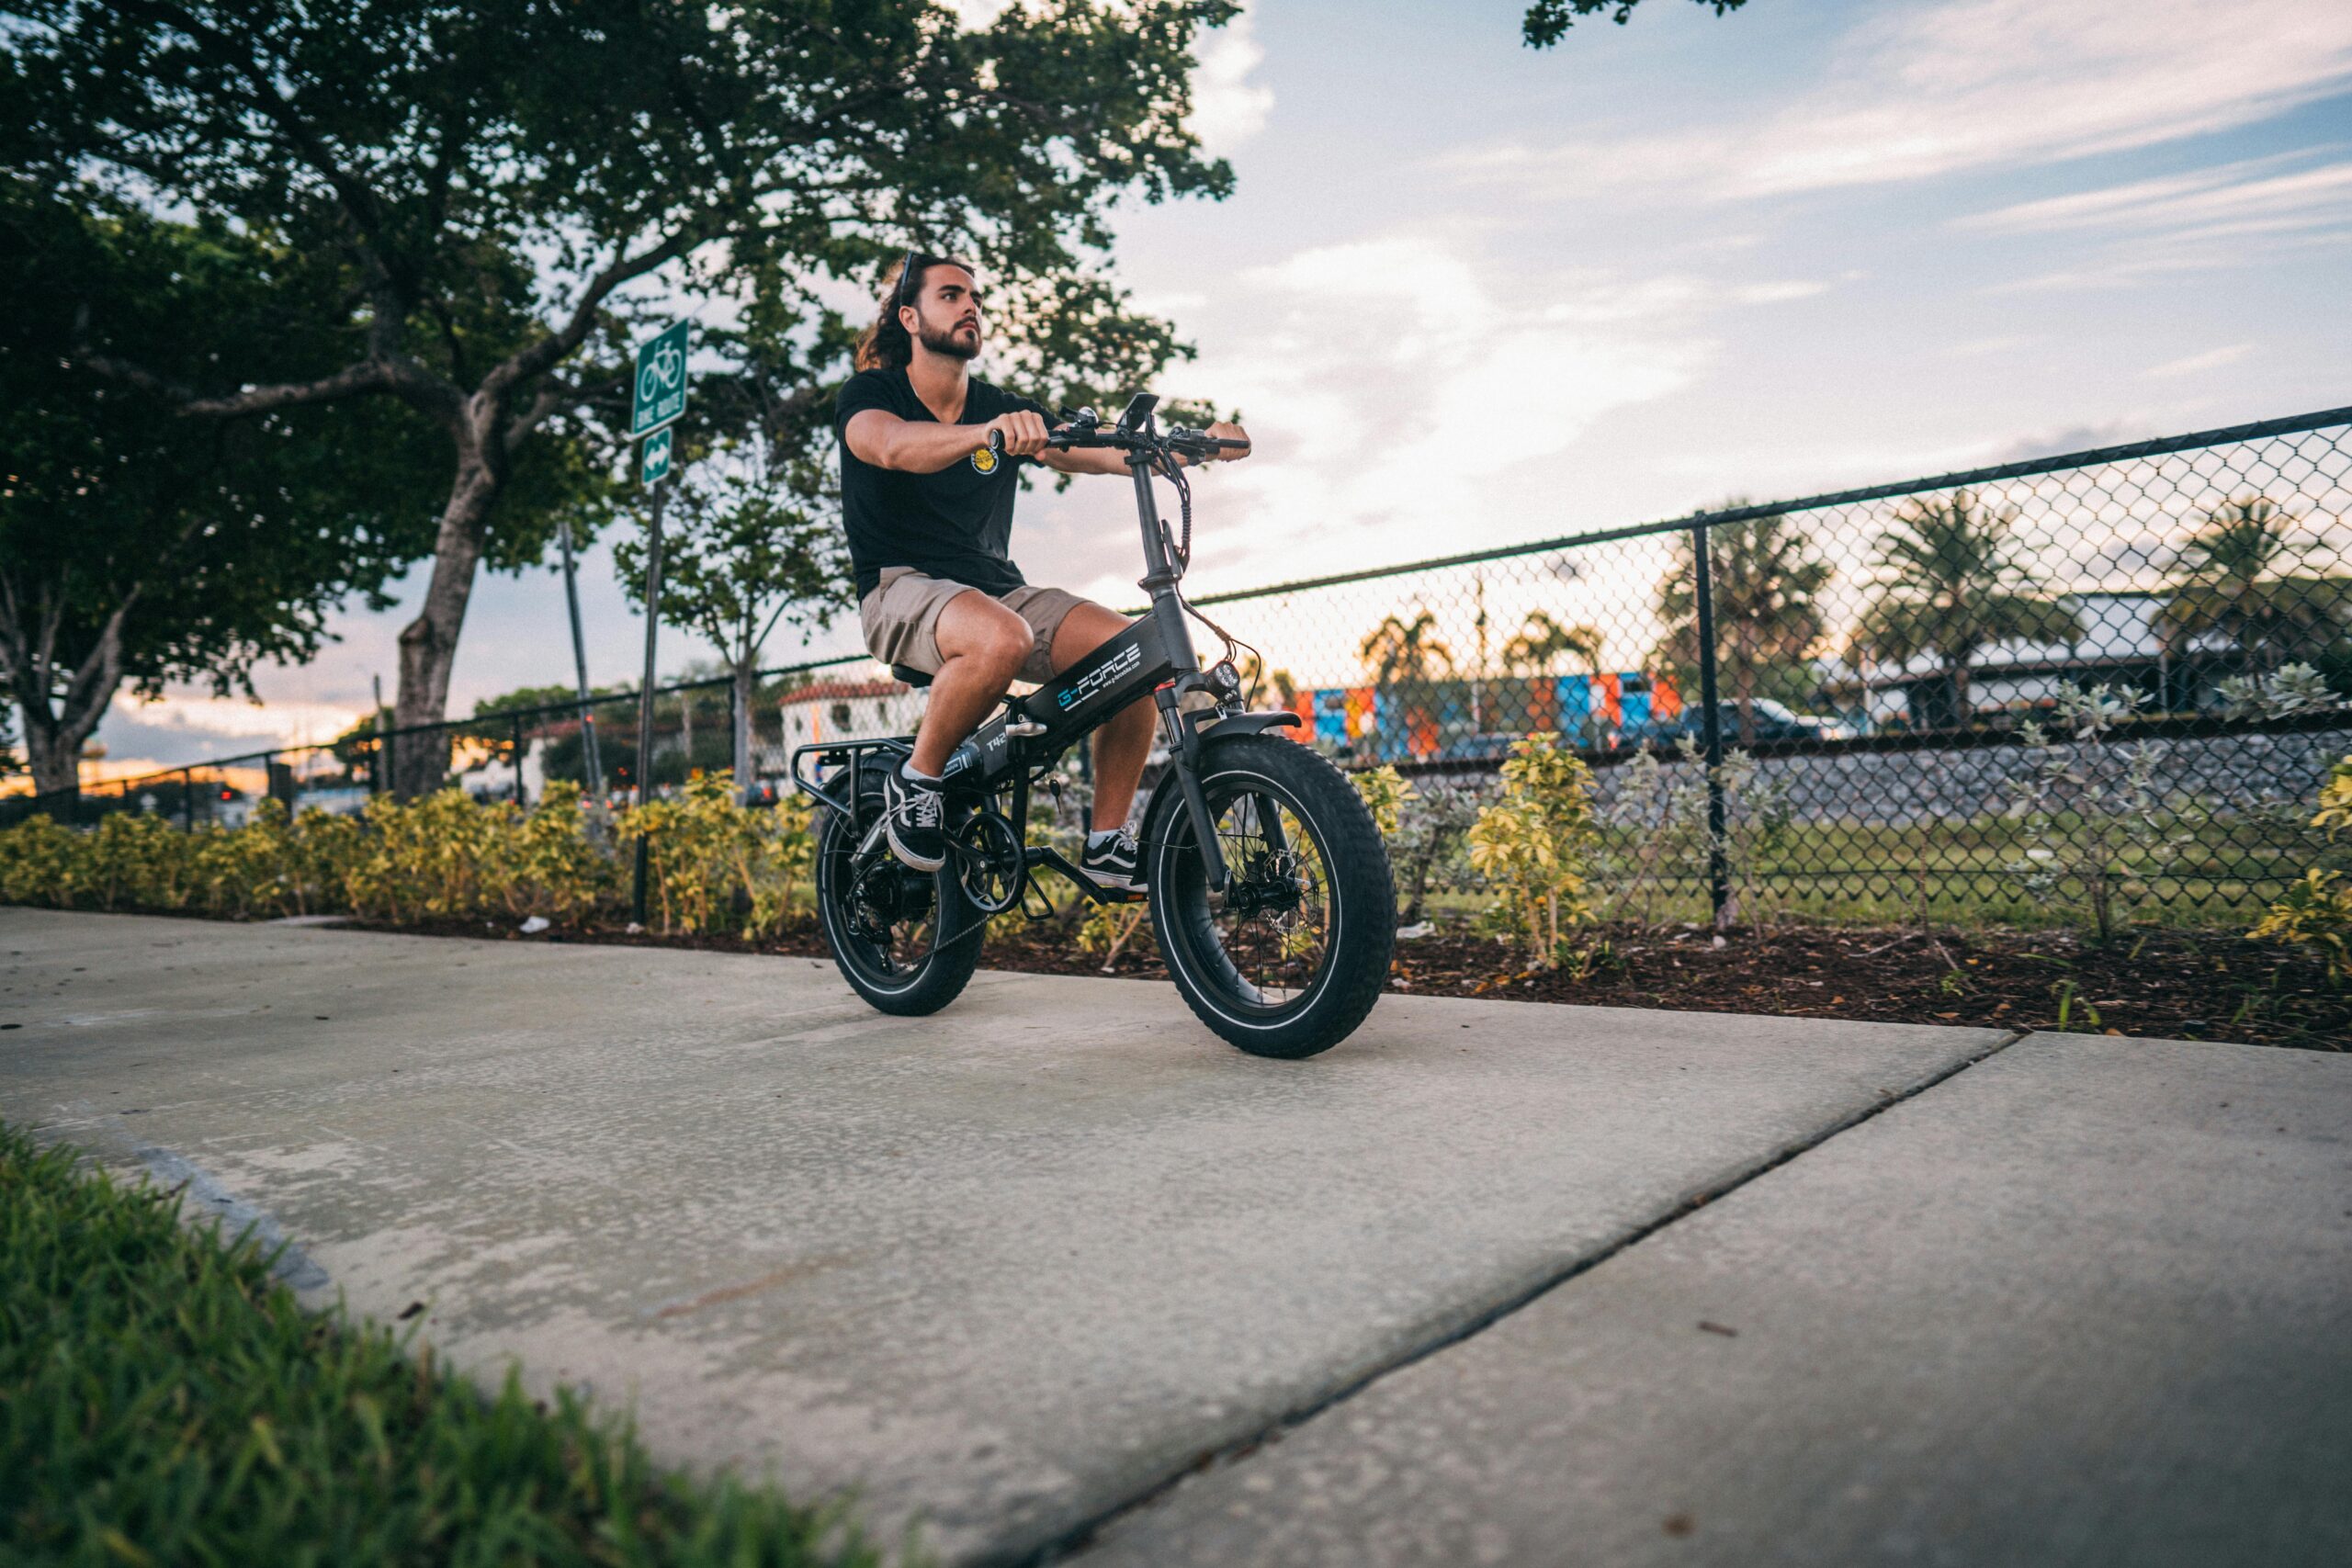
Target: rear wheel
[1288, 959]
[906, 940]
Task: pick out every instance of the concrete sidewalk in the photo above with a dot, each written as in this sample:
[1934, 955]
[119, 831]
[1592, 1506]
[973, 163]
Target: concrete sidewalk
[1010, 1270]
[1002, 1272]
[2089, 1302]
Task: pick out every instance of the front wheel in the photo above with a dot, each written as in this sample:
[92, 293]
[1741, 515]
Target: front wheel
[1289, 958]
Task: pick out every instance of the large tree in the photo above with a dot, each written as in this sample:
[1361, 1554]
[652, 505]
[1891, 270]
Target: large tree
[1766, 576]
[1540, 642]
[1950, 585]
[1406, 653]
[2236, 579]
[500, 181]
[140, 549]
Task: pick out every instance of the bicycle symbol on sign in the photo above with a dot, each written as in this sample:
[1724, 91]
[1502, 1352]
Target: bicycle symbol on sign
[662, 372]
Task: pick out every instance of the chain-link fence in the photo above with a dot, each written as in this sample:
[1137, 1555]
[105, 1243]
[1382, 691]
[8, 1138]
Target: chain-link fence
[1867, 704]
[1870, 671]
[507, 755]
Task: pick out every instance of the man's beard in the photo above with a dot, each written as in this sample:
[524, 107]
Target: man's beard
[950, 344]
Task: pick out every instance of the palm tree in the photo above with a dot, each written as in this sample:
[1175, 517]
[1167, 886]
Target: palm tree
[1948, 587]
[1406, 653]
[1766, 578]
[1540, 642]
[2231, 581]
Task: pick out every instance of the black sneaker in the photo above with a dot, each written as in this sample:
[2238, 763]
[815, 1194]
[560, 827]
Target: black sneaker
[911, 814]
[1112, 860]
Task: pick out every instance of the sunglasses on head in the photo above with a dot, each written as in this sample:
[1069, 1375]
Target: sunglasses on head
[906, 275]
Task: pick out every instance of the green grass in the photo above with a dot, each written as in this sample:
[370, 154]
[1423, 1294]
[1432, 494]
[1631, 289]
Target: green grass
[163, 1400]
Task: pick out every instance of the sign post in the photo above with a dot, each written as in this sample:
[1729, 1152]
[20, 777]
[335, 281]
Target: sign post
[659, 401]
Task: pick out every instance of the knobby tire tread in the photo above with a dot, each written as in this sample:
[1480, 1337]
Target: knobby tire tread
[954, 954]
[1361, 883]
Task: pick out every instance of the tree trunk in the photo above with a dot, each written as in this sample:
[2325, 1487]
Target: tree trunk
[53, 752]
[54, 736]
[429, 643]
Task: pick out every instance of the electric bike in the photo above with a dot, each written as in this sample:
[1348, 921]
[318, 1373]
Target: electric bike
[1268, 881]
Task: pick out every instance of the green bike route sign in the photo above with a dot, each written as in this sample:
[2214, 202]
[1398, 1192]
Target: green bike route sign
[661, 395]
[657, 458]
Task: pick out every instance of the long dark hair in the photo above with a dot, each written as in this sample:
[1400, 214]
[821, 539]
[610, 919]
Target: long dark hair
[886, 345]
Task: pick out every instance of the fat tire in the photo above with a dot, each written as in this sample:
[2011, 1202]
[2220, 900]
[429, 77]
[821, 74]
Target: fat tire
[956, 951]
[1364, 898]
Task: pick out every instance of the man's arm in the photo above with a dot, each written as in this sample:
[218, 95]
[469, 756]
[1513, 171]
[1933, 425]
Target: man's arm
[1104, 460]
[882, 438]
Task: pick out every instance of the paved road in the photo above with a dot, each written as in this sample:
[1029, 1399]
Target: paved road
[1008, 1270]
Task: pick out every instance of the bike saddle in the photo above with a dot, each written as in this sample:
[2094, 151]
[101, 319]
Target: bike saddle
[909, 675]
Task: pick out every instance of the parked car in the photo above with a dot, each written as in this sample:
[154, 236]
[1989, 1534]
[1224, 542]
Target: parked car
[1773, 721]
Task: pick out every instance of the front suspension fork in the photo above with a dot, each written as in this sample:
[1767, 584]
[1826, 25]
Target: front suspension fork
[1186, 758]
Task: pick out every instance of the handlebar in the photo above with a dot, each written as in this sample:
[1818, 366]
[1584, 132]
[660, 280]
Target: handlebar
[1190, 443]
[1193, 443]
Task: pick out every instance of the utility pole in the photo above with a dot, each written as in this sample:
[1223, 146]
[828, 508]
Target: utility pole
[596, 764]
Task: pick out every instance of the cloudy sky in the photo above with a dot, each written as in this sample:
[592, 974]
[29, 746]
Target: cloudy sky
[1466, 294]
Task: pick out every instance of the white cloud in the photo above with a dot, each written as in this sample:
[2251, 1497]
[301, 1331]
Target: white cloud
[1919, 92]
[1404, 398]
[2229, 194]
[1227, 107]
[2213, 359]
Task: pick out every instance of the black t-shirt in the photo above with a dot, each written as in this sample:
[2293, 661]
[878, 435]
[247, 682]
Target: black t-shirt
[957, 523]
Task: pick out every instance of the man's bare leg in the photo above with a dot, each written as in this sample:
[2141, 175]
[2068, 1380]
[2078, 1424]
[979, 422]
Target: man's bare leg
[1123, 745]
[983, 646]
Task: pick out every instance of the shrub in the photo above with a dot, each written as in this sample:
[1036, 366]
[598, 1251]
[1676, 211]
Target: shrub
[713, 865]
[2317, 911]
[2096, 824]
[1531, 846]
[718, 866]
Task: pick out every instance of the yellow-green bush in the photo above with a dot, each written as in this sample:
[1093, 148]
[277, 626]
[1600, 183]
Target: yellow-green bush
[2317, 911]
[1532, 844]
[714, 865]
[718, 866]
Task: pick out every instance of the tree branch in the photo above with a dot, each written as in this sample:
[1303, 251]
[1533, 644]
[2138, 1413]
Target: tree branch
[549, 351]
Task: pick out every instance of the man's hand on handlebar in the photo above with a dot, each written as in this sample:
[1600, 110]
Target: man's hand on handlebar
[1023, 433]
[1226, 430]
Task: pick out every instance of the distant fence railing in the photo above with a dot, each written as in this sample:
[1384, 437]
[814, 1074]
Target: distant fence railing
[507, 754]
[1877, 654]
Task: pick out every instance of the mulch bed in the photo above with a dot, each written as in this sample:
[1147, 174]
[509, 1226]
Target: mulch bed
[2153, 984]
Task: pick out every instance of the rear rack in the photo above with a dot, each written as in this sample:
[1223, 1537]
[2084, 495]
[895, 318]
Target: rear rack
[832, 754]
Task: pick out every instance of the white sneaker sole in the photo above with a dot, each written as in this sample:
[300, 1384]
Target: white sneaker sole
[906, 856]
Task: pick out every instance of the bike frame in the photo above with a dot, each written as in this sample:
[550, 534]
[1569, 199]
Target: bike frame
[1013, 750]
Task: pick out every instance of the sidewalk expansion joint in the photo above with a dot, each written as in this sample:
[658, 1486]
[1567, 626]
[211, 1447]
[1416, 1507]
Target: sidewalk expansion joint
[1081, 1535]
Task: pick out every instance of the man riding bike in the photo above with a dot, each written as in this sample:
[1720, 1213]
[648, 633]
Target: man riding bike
[928, 505]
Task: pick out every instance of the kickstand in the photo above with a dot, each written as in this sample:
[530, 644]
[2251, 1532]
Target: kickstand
[1029, 888]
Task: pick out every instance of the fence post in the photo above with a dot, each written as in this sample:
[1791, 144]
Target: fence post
[1711, 727]
[518, 761]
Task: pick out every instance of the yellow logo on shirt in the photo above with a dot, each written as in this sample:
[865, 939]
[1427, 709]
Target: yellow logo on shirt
[984, 461]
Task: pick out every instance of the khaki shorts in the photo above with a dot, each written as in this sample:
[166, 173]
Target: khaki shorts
[902, 619]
